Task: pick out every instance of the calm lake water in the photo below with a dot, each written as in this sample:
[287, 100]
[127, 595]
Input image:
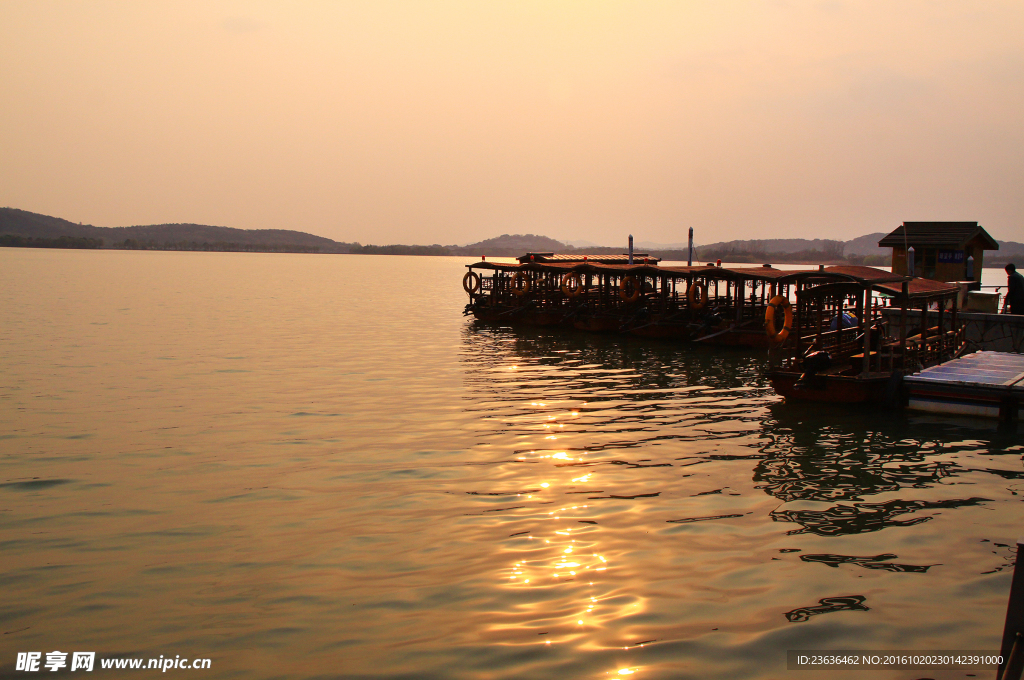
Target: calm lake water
[314, 466]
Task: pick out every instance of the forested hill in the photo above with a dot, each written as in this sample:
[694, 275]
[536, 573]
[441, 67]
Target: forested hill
[35, 229]
[860, 250]
[514, 244]
[23, 228]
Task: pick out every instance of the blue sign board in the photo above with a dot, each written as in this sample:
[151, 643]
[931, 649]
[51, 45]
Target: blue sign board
[951, 256]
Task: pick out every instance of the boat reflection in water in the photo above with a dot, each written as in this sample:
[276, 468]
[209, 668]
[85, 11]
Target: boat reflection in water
[671, 514]
[810, 464]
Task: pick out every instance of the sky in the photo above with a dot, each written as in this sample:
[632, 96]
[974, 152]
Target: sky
[450, 122]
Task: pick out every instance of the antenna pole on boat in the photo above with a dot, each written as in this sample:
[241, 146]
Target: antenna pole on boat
[631, 249]
[689, 252]
[909, 264]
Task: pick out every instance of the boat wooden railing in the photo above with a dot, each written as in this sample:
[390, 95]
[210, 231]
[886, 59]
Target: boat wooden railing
[659, 301]
[736, 299]
[840, 343]
[932, 346]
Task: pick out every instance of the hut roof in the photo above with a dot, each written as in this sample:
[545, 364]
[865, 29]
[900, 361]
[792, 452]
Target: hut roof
[951, 234]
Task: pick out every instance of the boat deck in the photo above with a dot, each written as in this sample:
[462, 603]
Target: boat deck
[988, 384]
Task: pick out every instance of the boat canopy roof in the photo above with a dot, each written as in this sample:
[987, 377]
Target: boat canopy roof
[854, 273]
[878, 279]
[763, 273]
[544, 258]
[823, 280]
[866, 276]
[921, 289]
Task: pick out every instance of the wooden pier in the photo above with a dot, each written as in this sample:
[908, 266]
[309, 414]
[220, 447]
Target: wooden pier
[987, 384]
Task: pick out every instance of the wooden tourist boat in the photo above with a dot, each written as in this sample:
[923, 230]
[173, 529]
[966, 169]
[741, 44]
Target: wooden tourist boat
[706, 304]
[834, 344]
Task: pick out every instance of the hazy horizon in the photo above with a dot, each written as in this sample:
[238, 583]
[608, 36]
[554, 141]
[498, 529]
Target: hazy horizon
[454, 122]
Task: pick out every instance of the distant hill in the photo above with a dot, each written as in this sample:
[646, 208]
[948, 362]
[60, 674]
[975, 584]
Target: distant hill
[31, 225]
[42, 228]
[862, 245]
[860, 250]
[511, 245]
[654, 245]
[867, 245]
[1009, 251]
[27, 229]
[581, 243]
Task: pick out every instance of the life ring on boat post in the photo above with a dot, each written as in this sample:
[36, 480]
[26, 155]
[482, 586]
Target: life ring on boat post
[697, 301]
[572, 284]
[629, 281]
[775, 303]
[471, 282]
[520, 284]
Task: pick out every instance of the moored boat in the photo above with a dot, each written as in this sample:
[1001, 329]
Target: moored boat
[707, 304]
[835, 345]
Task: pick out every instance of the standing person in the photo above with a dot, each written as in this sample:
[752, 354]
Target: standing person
[1014, 300]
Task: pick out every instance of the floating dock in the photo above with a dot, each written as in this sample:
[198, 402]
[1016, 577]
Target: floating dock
[987, 384]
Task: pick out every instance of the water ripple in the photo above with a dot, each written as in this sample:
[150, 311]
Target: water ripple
[306, 475]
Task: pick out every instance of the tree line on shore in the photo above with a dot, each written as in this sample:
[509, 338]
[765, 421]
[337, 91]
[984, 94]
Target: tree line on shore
[703, 254]
[436, 249]
[13, 241]
[747, 252]
[830, 253]
[218, 246]
[19, 228]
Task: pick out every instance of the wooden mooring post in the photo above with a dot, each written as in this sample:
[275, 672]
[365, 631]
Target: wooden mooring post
[1012, 649]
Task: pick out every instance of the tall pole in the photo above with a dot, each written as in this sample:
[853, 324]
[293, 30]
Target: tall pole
[1010, 649]
[904, 303]
[631, 249]
[689, 256]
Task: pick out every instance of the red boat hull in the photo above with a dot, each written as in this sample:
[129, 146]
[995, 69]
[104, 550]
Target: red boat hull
[663, 331]
[597, 324]
[601, 323]
[515, 315]
[755, 339]
[835, 389]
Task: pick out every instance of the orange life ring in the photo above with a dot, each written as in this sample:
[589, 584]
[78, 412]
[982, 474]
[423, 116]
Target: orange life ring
[769, 319]
[629, 280]
[520, 284]
[572, 284]
[471, 282]
[697, 301]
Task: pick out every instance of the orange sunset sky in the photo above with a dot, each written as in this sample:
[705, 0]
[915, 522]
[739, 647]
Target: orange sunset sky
[450, 122]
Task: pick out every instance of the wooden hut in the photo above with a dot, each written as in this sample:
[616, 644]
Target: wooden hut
[941, 249]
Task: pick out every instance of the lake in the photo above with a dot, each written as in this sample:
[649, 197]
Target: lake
[307, 466]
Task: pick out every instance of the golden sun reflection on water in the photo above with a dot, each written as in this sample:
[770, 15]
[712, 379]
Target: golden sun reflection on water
[571, 559]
